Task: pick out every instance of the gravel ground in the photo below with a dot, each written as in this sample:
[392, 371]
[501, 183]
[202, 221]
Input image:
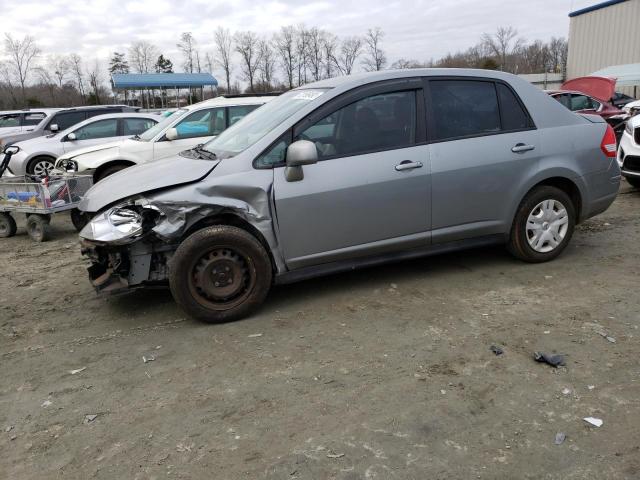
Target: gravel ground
[383, 373]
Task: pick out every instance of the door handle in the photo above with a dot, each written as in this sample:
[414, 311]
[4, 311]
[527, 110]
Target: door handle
[408, 165]
[521, 148]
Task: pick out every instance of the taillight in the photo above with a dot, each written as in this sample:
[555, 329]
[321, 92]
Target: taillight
[608, 144]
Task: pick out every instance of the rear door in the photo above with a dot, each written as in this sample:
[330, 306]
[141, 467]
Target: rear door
[484, 145]
[197, 127]
[369, 193]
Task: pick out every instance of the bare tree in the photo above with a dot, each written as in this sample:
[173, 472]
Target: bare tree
[375, 59]
[315, 52]
[142, 56]
[187, 45]
[46, 80]
[224, 50]
[75, 62]
[247, 47]
[558, 48]
[267, 63]
[503, 44]
[302, 53]
[94, 80]
[404, 63]
[21, 55]
[59, 66]
[350, 50]
[285, 45]
[329, 47]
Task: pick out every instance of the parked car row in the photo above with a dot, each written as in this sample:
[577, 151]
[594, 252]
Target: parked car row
[98, 141]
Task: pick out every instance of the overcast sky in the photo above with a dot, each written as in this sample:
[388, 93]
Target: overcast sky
[416, 29]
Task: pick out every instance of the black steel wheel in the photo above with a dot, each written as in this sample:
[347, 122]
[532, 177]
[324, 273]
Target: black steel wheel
[220, 274]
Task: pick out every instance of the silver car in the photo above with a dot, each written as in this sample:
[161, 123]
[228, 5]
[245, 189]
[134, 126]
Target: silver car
[352, 172]
[38, 155]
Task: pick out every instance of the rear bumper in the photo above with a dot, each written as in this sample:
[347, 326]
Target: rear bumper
[602, 188]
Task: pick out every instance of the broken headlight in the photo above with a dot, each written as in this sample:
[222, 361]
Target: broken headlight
[121, 224]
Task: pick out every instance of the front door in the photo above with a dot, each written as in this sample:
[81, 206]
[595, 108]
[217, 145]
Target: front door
[369, 193]
[93, 133]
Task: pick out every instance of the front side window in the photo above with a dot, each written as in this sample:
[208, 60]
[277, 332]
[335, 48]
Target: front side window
[463, 108]
[100, 129]
[67, 119]
[161, 126]
[31, 119]
[10, 120]
[379, 122]
[136, 126]
[203, 123]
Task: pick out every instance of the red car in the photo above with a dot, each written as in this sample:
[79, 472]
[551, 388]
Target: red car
[592, 95]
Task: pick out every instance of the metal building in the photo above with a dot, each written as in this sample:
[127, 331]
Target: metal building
[603, 35]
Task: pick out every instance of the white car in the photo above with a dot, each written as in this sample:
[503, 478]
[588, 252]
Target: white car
[629, 151]
[184, 129]
[37, 155]
[18, 121]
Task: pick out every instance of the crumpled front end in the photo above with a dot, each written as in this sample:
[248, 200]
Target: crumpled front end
[131, 244]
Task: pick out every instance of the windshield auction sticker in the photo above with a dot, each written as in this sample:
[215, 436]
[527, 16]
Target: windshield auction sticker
[308, 95]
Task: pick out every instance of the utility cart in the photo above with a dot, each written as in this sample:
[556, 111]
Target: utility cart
[39, 198]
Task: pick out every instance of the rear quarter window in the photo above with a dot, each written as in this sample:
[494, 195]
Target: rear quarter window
[514, 117]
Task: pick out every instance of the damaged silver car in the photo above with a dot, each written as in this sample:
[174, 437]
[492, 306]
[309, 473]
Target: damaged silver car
[352, 172]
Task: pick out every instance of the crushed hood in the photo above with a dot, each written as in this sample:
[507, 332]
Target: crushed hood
[601, 88]
[140, 179]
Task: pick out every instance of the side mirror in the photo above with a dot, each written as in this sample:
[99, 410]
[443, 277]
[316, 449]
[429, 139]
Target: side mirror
[12, 149]
[172, 134]
[54, 127]
[302, 152]
[72, 137]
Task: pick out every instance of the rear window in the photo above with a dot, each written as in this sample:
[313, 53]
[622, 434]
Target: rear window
[65, 120]
[513, 115]
[463, 108]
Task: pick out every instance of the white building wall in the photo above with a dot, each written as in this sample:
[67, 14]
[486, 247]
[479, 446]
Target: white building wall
[604, 37]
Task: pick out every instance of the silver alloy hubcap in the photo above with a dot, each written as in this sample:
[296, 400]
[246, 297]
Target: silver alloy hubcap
[42, 167]
[547, 226]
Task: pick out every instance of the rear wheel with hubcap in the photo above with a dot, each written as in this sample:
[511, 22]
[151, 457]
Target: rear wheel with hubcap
[219, 274]
[543, 225]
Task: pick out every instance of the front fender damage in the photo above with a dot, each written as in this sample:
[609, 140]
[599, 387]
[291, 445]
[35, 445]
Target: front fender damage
[146, 261]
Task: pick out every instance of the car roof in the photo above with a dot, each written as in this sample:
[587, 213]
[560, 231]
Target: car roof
[224, 101]
[107, 116]
[30, 110]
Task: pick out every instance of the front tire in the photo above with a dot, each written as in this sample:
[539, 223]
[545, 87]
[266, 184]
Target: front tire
[40, 166]
[543, 225]
[633, 181]
[220, 274]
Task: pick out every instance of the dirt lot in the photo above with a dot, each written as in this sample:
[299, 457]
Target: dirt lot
[378, 374]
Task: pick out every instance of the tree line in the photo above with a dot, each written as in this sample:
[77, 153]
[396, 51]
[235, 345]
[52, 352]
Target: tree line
[293, 56]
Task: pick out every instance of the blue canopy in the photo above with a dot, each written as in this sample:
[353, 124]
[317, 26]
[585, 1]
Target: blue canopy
[162, 80]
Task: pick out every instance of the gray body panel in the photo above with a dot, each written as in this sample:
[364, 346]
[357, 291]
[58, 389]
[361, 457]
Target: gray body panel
[347, 209]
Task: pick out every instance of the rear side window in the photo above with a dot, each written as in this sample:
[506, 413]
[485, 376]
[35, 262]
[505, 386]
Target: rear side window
[31, 119]
[240, 111]
[67, 119]
[135, 126]
[463, 108]
[10, 120]
[513, 115]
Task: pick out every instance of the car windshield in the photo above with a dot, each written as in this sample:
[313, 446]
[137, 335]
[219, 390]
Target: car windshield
[256, 125]
[159, 127]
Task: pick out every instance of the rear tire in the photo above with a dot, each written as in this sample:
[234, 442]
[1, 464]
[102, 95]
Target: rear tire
[543, 225]
[38, 227]
[633, 181]
[109, 171]
[220, 274]
[8, 225]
